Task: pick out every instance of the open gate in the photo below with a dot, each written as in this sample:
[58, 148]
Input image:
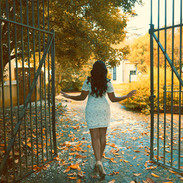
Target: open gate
[166, 142]
[27, 92]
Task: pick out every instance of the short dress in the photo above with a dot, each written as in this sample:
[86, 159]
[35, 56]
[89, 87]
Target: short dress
[97, 111]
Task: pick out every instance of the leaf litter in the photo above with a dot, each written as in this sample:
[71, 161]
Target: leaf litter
[74, 147]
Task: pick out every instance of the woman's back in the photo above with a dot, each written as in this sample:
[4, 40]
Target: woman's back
[97, 110]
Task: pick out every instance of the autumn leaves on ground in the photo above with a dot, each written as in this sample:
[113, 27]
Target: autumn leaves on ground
[126, 157]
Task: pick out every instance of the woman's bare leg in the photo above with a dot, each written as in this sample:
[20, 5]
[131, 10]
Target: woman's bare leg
[102, 139]
[98, 137]
[95, 138]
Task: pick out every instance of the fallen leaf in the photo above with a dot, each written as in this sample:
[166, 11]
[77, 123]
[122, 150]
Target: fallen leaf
[67, 169]
[112, 159]
[137, 151]
[134, 138]
[112, 181]
[80, 156]
[75, 153]
[73, 178]
[75, 166]
[75, 127]
[57, 158]
[137, 174]
[171, 171]
[106, 157]
[94, 176]
[151, 168]
[112, 145]
[114, 173]
[154, 175]
[148, 180]
[125, 161]
[78, 181]
[81, 174]
[89, 146]
[72, 174]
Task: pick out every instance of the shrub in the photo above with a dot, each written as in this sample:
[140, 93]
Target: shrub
[140, 101]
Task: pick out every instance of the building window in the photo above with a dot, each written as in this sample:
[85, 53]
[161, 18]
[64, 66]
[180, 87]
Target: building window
[114, 73]
[132, 72]
[132, 75]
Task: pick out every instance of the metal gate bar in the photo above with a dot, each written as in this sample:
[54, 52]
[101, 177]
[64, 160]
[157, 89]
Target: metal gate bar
[33, 135]
[168, 59]
[166, 130]
[180, 86]
[158, 85]
[10, 144]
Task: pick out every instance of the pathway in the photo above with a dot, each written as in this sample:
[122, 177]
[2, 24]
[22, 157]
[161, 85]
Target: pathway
[126, 154]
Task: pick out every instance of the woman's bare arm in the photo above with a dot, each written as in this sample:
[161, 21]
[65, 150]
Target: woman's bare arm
[113, 98]
[80, 97]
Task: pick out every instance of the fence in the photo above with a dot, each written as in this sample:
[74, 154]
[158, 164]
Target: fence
[176, 101]
[166, 52]
[27, 123]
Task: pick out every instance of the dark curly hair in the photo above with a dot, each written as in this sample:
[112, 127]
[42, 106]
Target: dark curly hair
[98, 78]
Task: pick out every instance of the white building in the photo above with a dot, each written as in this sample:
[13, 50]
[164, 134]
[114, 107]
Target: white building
[125, 72]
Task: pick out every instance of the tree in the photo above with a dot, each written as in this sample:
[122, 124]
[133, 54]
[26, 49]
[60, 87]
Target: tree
[22, 12]
[89, 28]
[83, 29]
[140, 50]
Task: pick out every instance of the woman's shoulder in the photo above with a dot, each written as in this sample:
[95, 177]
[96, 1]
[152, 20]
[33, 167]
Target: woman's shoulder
[86, 81]
[108, 81]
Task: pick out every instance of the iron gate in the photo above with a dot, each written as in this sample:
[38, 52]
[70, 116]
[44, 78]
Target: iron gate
[166, 140]
[27, 92]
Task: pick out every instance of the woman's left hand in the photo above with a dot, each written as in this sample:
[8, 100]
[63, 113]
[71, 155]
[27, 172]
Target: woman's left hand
[130, 94]
[64, 94]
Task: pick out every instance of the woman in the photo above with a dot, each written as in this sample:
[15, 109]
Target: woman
[97, 112]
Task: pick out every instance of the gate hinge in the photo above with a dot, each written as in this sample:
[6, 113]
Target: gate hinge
[151, 30]
[152, 97]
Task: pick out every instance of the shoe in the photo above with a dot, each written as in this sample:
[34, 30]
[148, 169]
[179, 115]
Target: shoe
[100, 169]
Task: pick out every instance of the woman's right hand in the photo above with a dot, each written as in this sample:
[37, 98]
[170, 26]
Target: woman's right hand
[130, 94]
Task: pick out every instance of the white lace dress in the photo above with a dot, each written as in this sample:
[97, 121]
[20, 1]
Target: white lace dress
[97, 112]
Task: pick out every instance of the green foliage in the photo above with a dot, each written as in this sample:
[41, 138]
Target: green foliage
[140, 53]
[140, 50]
[8, 46]
[83, 30]
[140, 101]
[88, 30]
[72, 80]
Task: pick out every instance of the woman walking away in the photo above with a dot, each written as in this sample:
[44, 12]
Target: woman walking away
[97, 112]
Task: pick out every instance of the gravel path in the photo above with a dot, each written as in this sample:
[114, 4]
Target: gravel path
[126, 154]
